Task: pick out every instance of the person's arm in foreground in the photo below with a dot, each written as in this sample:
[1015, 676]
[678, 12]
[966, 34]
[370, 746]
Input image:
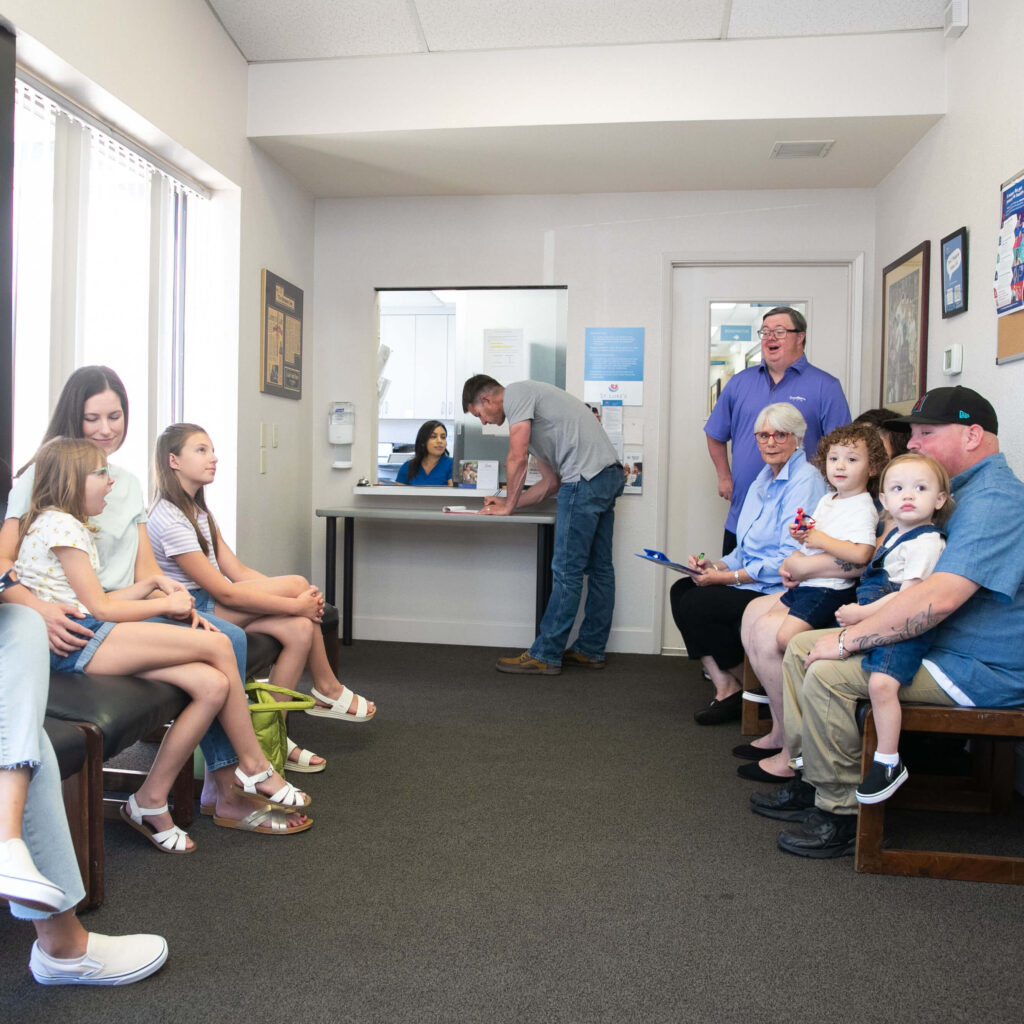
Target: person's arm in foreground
[910, 613]
[515, 470]
[719, 452]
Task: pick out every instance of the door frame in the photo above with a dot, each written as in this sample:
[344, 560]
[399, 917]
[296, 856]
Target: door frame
[852, 260]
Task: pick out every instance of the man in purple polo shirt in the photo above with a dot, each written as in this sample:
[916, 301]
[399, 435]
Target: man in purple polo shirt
[784, 375]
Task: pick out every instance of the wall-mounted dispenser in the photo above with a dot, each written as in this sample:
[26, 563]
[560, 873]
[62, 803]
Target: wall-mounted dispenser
[341, 425]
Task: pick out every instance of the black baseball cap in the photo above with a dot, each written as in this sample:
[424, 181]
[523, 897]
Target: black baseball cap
[949, 405]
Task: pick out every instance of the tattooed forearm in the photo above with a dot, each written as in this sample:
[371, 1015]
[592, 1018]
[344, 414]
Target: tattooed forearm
[849, 566]
[914, 625]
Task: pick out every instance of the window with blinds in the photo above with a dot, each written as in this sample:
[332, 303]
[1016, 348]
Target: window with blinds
[99, 269]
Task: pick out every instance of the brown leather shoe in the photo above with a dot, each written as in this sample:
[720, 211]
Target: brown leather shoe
[571, 657]
[524, 665]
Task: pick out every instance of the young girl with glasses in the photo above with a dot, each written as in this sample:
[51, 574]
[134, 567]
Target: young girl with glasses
[57, 561]
[190, 549]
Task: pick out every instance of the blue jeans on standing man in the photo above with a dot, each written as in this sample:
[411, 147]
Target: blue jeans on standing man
[583, 546]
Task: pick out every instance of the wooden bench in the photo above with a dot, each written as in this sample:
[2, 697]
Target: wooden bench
[988, 789]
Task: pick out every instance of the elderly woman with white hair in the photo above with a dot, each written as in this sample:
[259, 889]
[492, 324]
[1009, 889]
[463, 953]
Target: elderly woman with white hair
[708, 608]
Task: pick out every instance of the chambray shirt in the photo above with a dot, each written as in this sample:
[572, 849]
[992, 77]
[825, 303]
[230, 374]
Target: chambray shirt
[817, 394]
[762, 535]
[978, 650]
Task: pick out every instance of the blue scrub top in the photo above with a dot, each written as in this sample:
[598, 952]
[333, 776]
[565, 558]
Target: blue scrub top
[438, 476]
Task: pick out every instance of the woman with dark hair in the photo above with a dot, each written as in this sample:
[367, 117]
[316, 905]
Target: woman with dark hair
[94, 405]
[895, 441]
[431, 465]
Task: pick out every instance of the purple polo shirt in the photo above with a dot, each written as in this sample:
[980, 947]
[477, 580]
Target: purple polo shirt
[817, 394]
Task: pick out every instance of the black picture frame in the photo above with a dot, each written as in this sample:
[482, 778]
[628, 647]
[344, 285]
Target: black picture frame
[954, 280]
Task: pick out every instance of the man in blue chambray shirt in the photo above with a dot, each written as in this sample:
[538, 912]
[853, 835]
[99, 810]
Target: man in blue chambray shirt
[784, 375]
[973, 603]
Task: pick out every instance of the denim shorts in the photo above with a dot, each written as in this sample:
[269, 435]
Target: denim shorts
[79, 658]
[204, 601]
[817, 606]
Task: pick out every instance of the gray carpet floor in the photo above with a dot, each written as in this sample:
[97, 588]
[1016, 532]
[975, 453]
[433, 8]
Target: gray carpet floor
[494, 848]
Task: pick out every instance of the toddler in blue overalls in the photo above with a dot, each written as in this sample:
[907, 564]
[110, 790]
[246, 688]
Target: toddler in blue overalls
[914, 491]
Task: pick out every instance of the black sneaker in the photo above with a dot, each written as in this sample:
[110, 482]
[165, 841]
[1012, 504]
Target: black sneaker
[791, 802]
[881, 781]
[822, 835]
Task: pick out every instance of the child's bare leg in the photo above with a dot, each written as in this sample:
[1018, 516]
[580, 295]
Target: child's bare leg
[324, 679]
[885, 709]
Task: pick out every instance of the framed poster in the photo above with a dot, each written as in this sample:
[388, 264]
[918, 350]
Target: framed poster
[280, 337]
[954, 273]
[905, 329]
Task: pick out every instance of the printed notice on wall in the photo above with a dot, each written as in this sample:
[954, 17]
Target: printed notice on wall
[1009, 276]
[614, 365]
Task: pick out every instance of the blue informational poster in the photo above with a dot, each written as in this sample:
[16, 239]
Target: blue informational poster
[736, 332]
[614, 365]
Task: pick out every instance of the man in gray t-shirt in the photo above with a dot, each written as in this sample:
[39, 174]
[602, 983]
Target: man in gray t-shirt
[576, 460]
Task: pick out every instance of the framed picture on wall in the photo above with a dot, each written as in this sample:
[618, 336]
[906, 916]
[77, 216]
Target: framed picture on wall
[905, 329]
[954, 273]
[280, 337]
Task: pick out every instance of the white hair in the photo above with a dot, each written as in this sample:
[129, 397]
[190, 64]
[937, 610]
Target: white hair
[782, 416]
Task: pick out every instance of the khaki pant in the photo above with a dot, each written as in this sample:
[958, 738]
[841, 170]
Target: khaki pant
[820, 706]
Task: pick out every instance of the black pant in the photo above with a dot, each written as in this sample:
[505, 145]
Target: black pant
[709, 619]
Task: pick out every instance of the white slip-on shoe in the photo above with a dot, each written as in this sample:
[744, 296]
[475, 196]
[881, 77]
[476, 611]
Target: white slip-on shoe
[21, 882]
[108, 960]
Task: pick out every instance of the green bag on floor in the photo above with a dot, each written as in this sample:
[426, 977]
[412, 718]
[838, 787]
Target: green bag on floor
[267, 720]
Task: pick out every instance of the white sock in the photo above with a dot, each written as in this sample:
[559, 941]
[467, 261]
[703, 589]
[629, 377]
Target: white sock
[890, 759]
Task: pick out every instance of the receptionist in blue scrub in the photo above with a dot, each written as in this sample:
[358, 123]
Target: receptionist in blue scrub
[431, 465]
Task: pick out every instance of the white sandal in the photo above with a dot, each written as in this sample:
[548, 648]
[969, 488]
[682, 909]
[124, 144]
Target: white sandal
[304, 763]
[287, 797]
[337, 707]
[171, 840]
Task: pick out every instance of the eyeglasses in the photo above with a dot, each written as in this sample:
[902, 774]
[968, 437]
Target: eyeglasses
[102, 471]
[778, 332]
[778, 436]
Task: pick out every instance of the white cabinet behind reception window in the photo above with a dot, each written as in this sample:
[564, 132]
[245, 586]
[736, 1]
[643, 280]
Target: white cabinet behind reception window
[421, 365]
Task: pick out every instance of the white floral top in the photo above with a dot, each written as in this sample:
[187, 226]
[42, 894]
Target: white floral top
[39, 568]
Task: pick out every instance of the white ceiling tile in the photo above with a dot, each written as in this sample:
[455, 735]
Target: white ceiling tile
[510, 24]
[753, 19]
[267, 30]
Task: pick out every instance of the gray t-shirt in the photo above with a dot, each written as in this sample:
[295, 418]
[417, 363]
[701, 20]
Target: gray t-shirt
[564, 433]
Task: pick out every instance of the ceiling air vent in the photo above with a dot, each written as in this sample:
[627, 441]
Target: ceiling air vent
[807, 150]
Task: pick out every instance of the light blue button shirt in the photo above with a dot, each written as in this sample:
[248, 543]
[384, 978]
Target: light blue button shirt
[762, 532]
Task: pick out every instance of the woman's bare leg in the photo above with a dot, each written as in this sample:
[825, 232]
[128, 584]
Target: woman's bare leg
[13, 794]
[725, 682]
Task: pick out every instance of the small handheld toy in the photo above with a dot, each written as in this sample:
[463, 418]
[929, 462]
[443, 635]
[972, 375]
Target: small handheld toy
[803, 521]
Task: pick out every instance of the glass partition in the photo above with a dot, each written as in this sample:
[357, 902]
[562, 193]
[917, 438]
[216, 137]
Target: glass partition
[432, 341]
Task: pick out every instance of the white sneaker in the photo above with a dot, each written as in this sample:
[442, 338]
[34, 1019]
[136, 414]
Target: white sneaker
[21, 882]
[108, 960]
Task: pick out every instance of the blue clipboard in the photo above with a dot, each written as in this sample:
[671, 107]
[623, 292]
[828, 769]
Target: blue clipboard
[662, 559]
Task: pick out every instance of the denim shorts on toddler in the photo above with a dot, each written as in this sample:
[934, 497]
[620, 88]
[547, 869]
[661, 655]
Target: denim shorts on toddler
[901, 661]
[80, 657]
[817, 606]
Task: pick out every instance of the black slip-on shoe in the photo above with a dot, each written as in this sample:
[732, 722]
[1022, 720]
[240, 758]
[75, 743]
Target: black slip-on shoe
[822, 835]
[748, 752]
[753, 772]
[728, 709]
[791, 802]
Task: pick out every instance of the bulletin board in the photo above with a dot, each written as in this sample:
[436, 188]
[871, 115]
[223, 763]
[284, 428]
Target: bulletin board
[1009, 274]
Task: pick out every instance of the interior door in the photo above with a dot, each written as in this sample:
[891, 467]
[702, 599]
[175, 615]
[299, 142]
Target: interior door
[696, 515]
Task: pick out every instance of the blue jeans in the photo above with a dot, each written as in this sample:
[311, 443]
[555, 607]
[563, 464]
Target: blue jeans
[215, 745]
[24, 687]
[583, 546]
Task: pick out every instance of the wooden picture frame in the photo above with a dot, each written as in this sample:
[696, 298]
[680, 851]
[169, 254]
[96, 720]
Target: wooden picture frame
[905, 329]
[953, 271]
[280, 337]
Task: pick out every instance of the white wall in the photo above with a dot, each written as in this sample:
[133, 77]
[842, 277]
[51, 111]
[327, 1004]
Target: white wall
[613, 252]
[952, 178]
[165, 72]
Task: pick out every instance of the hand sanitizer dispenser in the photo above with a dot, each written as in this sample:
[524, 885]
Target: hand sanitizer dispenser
[341, 423]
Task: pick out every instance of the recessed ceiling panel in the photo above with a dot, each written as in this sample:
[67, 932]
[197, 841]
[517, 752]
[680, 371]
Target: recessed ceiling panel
[267, 30]
[758, 19]
[513, 24]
